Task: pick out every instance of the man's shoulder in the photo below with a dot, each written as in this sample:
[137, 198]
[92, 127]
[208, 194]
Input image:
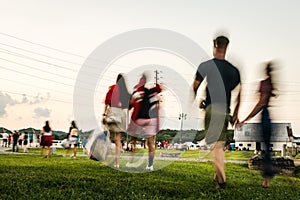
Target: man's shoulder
[206, 65]
[229, 65]
[207, 62]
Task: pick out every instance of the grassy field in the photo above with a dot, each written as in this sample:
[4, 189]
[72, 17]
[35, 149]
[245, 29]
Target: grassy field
[230, 155]
[34, 177]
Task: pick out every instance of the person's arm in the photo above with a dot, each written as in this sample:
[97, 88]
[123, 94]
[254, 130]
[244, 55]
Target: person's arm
[263, 101]
[198, 80]
[105, 110]
[132, 100]
[196, 85]
[108, 98]
[42, 131]
[237, 106]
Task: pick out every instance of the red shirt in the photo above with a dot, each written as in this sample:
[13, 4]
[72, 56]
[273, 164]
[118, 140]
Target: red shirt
[138, 109]
[113, 97]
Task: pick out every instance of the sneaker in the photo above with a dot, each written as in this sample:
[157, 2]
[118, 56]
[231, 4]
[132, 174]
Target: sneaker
[219, 185]
[222, 185]
[116, 166]
[150, 168]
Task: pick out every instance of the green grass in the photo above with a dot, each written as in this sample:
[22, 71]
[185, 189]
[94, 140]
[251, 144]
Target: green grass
[34, 177]
[229, 155]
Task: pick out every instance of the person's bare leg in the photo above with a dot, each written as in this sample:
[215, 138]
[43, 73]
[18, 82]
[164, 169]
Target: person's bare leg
[218, 159]
[75, 151]
[151, 150]
[117, 139]
[48, 152]
[132, 162]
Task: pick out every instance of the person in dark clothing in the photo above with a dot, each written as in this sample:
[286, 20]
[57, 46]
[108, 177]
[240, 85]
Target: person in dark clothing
[25, 142]
[266, 92]
[15, 141]
[222, 78]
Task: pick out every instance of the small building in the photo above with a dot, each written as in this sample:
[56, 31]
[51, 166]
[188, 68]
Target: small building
[249, 136]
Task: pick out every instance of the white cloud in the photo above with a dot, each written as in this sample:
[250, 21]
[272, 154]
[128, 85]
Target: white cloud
[42, 112]
[5, 100]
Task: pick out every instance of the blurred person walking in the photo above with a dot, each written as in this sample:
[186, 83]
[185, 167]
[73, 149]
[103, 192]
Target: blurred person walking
[73, 137]
[9, 139]
[115, 113]
[145, 117]
[266, 91]
[222, 78]
[30, 139]
[25, 142]
[46, 138]
[15, 137]
[21, 135]
[5, 137]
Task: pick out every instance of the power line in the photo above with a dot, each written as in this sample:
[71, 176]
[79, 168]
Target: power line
[48, 63]
[41, 45]
[51, 57]
[35, 97]
[55, 49]
[35, 86]
[31, 75]
[34, 59]
[48, 72]
[44, 55]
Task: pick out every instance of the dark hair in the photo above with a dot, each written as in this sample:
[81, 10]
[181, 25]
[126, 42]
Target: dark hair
[221, 42]
[124, 94]
[73, 124]
[144, 77]
[47, 128]
[269, 69]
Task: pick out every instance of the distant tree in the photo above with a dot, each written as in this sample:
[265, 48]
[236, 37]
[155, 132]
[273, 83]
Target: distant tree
[199, 136]
[229, 136]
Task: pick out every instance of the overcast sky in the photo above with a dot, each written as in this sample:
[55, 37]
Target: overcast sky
[43, 45]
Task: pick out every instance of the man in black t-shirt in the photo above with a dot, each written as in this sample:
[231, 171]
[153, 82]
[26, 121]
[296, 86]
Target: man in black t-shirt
[222, 78]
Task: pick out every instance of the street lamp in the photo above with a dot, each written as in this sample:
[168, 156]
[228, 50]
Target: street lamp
[182, 116]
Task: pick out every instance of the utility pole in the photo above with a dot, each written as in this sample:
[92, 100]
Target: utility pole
[156, 76]
[182, 116]
[157, 103]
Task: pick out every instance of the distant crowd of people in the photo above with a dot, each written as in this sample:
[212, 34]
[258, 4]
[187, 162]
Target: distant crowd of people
[18, 140]
[44, 139]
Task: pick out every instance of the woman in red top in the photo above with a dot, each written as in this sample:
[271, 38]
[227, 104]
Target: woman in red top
[115, 112]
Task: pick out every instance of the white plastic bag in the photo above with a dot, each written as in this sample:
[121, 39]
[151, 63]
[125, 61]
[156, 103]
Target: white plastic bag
[65, 144]
[98, 144]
